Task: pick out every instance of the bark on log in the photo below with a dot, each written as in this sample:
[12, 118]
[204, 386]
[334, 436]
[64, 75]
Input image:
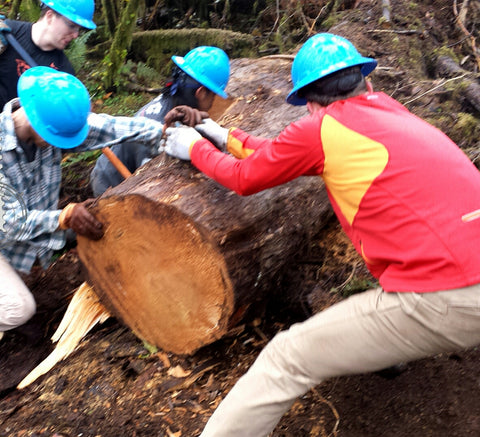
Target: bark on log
[182, 257]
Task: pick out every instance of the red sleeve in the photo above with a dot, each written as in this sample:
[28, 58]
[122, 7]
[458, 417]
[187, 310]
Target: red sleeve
[295, 152]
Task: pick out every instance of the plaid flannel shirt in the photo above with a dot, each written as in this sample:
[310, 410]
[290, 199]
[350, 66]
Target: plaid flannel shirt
[30, 226]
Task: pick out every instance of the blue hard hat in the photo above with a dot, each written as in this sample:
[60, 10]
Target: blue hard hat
[208, 65]
[78, 11]
[56, 104]
[321, 55]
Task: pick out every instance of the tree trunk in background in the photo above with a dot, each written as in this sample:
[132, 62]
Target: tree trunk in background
[28, 10]
[110, 13]
[121, 42]
[15, 9]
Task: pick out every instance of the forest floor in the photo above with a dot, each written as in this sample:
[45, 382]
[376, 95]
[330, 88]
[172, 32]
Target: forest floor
[113, 386]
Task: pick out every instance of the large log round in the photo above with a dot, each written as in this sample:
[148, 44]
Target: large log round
[182, 257]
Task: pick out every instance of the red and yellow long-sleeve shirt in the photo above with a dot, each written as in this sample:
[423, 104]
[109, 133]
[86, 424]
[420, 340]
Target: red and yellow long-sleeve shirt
[398, 186]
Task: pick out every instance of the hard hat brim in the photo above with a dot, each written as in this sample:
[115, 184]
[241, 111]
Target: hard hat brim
[61, 142]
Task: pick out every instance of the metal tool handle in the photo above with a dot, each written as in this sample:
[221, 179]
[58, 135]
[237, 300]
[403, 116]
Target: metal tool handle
[21, 51]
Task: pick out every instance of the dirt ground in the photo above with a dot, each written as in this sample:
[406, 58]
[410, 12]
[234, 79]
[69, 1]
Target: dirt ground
[113, 386]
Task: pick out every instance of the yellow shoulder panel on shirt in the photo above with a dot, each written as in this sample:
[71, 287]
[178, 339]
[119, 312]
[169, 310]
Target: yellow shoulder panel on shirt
[235, 147]
[352, 162]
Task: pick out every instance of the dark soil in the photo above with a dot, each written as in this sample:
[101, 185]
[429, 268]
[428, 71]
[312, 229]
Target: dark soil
[113, 386]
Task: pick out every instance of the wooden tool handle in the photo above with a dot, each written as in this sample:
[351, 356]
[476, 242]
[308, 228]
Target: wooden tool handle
[119, 165]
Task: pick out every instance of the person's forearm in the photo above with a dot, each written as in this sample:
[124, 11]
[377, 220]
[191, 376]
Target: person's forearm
[215, 164]
[106, 130]
[258, 172]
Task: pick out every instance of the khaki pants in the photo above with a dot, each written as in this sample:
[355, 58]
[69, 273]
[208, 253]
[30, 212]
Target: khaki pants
[17, 304]
[369, 331]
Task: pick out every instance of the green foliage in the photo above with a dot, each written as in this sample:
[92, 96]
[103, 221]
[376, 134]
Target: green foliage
[445, 51]
[77, 50]
[278, 41]
[147, 74]
[331, 20]
[10, 8]
[126, 104]
[75, 170]
[466, 130]
[138, 72]
[150, 348]
[110, 15]
[413, 6]
[156, 47]
[94, 82]
[29, 10]
[86, 158]
[355, 284]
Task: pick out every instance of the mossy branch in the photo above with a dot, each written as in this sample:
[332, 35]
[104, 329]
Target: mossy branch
[121, 43]
[110, 15]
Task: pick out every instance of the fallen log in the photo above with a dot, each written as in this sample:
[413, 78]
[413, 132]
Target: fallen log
[447, 67]
[183, 258]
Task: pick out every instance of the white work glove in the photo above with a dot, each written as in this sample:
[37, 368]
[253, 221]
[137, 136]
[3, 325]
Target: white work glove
[179, 140]
[213, 132]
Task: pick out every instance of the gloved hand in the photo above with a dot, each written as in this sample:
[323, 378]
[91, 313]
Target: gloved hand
[215, 133]
[185, 115]
[179, 140]
[77, 217]
[3, 28]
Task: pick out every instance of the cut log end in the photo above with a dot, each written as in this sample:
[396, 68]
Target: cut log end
[155, 270]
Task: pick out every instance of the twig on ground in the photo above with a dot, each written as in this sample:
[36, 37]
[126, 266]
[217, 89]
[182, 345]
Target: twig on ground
[332, 407]
[400, 32]
[442, 82]
[350, 276]
[460, 19]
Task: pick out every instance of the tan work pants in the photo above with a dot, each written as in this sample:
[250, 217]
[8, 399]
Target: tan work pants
[17, 304]
[367, 332]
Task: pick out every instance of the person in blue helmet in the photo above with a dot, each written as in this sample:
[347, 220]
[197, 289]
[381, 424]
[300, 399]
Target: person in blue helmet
[407, 197]
[50, 116]
[45, 40]
[196, 79]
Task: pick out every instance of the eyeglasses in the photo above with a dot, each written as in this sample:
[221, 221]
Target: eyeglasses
[72, 27]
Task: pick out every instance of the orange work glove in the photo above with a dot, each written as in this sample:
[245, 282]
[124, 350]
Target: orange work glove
[77, 217]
